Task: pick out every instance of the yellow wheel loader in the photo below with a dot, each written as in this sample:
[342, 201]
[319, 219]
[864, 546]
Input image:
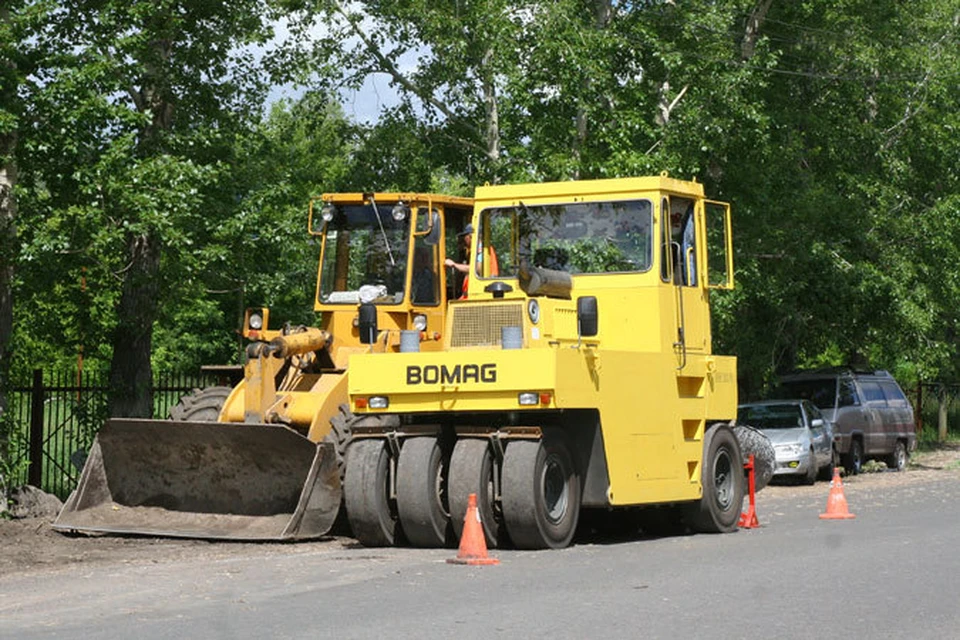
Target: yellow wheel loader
[577, 376]
[264, 459]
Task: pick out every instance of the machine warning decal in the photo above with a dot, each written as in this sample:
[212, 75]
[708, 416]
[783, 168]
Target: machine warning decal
[433, 374]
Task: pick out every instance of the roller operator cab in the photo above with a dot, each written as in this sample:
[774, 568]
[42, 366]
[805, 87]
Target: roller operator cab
[576, 375]
[263, 458]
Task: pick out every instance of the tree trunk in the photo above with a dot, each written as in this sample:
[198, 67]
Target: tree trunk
[752, 31]
[492, 113]
[130, 371]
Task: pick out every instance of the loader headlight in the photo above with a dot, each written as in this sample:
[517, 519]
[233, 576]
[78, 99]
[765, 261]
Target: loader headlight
[420, 322]
[378, 402]
[327, 211]
[256, 321]
[400, 211]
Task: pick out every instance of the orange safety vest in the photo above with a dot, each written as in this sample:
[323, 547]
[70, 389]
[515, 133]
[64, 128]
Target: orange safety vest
[491, 257]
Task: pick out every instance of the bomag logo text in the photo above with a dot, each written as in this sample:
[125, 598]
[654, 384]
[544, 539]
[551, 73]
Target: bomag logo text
[442, 374]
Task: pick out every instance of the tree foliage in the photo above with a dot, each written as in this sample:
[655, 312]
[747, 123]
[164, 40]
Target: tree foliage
[158, 197]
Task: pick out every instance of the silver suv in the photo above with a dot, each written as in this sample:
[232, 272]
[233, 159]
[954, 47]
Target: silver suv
[872, 417]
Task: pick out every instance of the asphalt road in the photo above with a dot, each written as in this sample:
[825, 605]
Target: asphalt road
[892, 572]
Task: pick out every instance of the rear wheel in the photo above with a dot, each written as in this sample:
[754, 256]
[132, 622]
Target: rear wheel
[898, 459]
[541, 493]
[366, 492]
[200, 405]
[722, 477]
[421, 493]
[471, 471]
[853, 461]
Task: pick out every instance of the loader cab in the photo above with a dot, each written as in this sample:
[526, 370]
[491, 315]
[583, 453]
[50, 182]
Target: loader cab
[384, 249]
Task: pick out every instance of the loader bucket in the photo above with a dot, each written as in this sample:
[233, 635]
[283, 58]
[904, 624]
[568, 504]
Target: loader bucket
[204, 480]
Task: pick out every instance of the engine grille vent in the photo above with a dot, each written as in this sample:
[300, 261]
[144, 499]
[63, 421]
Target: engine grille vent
[479, 325]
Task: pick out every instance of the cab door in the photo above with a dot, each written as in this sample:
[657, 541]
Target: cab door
[697, 258]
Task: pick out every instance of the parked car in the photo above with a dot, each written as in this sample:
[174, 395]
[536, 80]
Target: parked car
[871, 415]
[802, 438]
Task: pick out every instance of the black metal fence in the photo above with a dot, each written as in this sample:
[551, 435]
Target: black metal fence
[56, 416]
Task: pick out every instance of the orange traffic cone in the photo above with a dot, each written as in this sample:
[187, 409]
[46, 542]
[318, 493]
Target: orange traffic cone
[836, 502]
[473, 546]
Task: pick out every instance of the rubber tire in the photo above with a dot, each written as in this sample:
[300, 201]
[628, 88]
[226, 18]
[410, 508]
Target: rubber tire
[421, 493]
[853, 461]
[722, 478]
[471, 471]
[366, 494]
[200, 405]
[752, 440]
[826, 473]
[811, 477]
[531, 470]
[898, 459]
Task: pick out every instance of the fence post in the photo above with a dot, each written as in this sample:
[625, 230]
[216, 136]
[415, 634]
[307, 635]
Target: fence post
[36, 430]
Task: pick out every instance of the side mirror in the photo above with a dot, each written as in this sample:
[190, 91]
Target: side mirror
[367, 323]
[817, 422]
[433, 233]
[587, 316]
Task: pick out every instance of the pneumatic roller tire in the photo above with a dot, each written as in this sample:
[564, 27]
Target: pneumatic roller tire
[366, 491]
[471, 471]
[718, 510]
[422, 493]
[541, 493]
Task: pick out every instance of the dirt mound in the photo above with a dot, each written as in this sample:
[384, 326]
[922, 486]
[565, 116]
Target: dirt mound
[31, 502]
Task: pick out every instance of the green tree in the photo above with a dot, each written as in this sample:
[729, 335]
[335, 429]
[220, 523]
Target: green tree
[133, 126]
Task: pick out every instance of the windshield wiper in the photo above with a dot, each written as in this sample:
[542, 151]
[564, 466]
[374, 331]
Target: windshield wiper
[383, 232]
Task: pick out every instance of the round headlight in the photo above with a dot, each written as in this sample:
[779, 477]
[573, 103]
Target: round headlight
[420, 322]
[256, 321]
[400, 211]
[327, 211]
[533, 310]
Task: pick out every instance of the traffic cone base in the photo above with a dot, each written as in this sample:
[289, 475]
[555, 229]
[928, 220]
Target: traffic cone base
[473, 546]
[836, 502]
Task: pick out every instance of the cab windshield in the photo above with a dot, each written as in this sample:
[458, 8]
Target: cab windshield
[364, 256]
[579, 238]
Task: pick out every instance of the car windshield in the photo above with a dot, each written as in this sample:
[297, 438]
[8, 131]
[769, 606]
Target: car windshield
[822, 393]
[771, 416]
[364, 256]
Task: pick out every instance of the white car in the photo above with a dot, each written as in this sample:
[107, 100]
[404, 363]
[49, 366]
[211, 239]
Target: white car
[801, 436]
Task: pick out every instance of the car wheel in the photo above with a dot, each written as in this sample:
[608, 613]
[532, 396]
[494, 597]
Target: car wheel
[853, 461]
[826, 473]
[811, 476]
[898, 459]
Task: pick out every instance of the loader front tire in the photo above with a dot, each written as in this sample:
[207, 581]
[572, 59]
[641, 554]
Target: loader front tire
[200, 405]
[471, 471]
[541, 493]
[721, 476]
[366, 491]
[422, 494]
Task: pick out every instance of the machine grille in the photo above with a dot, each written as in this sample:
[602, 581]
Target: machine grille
[479, 325]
